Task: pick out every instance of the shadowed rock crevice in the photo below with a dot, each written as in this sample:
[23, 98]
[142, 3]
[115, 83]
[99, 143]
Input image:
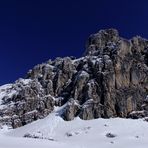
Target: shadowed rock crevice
[110, 80]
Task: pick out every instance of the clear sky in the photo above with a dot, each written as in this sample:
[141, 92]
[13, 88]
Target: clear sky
[33, 31]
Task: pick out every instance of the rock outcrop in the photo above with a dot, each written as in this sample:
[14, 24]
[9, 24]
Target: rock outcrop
[110, 80]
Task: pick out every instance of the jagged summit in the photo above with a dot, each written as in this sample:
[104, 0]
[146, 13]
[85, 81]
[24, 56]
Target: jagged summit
[105, 40]
[111, 80]
[97, 42]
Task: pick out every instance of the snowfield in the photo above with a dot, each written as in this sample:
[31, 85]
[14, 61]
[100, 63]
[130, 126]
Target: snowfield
[54, 132]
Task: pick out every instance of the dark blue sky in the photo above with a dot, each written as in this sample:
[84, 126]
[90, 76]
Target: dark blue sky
[32, 31]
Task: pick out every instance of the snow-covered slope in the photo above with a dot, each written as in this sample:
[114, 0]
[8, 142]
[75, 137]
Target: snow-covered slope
[54, 132]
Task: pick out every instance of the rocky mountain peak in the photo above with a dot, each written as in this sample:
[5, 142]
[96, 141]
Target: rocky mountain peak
[110, 80]
[98, 41]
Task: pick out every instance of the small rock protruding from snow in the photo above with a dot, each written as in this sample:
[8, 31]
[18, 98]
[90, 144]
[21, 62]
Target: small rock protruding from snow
[111, 135]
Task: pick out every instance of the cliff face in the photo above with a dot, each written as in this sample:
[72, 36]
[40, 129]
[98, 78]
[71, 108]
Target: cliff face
[110, 80]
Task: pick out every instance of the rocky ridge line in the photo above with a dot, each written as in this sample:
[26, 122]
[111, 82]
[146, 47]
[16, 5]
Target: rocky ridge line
[110, 80]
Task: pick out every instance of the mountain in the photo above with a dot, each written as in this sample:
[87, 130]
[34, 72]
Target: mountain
[110, 80]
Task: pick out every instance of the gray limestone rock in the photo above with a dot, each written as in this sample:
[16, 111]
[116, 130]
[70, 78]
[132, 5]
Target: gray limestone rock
[110, 80]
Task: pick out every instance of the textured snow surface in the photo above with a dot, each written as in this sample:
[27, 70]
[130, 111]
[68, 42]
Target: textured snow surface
[54, 132]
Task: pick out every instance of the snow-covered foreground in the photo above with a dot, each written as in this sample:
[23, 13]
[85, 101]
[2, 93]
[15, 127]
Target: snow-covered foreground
[53, 132]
